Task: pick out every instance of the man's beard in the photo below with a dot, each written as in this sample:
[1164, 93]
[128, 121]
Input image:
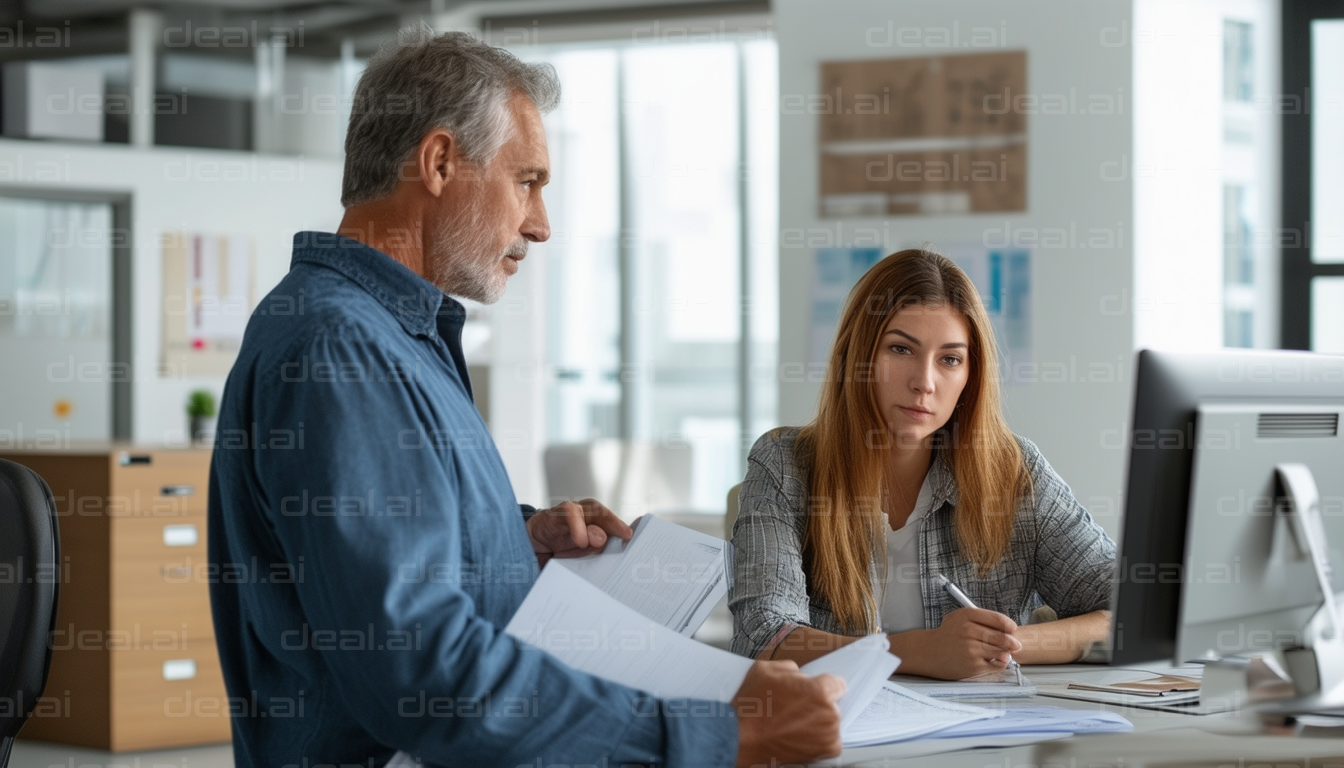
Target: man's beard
[464, 263]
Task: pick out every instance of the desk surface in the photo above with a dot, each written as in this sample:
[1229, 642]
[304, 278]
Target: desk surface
[1158, 738]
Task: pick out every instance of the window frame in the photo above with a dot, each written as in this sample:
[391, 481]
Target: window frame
[1296, 265]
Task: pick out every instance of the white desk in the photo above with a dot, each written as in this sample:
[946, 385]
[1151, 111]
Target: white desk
[1158, 739]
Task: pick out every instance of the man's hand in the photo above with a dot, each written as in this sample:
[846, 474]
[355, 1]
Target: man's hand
[785, 716]
[970, 642]
[573, 529]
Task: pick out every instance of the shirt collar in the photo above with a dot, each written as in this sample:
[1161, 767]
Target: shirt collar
[416, 303]
[942, 482]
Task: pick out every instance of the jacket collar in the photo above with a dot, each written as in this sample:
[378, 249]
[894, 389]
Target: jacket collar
[942, 483]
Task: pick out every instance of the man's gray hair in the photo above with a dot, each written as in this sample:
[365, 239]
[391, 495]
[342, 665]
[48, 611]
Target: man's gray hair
[425, 81]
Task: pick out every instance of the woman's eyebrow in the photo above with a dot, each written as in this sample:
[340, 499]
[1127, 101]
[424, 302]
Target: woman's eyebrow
[949, 345]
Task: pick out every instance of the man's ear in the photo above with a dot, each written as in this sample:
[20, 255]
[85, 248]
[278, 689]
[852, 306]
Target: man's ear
[437, 161]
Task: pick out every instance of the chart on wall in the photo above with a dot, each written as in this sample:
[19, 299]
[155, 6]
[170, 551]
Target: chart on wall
[923, 135]
[207, 299]
[1002, 276]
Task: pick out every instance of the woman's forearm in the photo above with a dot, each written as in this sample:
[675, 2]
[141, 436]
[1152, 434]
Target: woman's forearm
[1062, 641]
[805, 644]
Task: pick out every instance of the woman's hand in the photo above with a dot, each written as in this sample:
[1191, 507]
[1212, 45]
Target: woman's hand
[970, 642]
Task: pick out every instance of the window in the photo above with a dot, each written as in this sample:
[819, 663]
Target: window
[1313, 176]
[56, 319]
[662, 286]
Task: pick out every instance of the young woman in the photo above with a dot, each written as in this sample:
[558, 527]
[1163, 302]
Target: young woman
[910, 472]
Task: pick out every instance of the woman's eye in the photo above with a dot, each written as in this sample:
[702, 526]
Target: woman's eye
[952, 360]
[900, 349]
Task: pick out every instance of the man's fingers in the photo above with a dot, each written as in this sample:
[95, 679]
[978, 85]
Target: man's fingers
[598, 514]
[578, 527]
[597, 538]
[832, 686]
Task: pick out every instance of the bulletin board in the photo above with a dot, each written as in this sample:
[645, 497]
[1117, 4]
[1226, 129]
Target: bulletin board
[925, 135]
[207, 299]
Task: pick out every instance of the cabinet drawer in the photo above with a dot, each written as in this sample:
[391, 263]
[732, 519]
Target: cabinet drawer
[167, 699]
[162, 593]
[159, 483]
[173, 538]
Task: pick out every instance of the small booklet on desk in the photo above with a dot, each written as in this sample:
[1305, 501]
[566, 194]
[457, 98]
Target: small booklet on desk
[1162, 685]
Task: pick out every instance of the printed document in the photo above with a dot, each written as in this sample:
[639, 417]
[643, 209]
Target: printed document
[666, 572]
[591, 631]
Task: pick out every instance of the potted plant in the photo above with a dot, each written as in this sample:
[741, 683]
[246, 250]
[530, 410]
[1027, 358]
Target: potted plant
[201, 414]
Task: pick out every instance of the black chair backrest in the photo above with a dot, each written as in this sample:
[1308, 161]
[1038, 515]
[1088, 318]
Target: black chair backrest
[30, 555]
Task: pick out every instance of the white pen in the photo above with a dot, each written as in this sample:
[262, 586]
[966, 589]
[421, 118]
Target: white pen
[965, 602]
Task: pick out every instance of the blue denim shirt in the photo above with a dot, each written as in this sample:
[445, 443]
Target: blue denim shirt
[366, 549]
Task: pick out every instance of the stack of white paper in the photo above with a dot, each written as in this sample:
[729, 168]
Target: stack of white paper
[961, 689]
[666, 572]
[1041, 720]
[592, 632]
[898, 714]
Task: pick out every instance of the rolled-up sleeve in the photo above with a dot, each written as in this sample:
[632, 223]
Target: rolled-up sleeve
[769, 591]
[1075, 559]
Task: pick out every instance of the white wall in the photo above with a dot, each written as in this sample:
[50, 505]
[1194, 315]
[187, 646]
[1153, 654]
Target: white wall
[1077, 193]
[267, 197]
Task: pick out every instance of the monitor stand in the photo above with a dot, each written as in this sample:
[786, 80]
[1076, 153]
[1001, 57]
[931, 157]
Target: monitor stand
[1317, 664]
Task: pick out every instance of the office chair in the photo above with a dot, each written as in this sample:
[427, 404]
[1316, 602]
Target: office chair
[30, 551]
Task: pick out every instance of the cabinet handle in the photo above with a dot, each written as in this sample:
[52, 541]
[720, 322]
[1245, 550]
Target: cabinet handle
[179, 669]
[180, 535]
[177, 490]
[127, 459]
[175, 573]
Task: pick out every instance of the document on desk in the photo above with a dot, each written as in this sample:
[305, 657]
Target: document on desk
[899, 714]
[961, 689]
[666, 572]
[591, 631]
[1033, 720]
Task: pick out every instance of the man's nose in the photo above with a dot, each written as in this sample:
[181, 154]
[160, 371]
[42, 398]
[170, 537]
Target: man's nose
[537, 227]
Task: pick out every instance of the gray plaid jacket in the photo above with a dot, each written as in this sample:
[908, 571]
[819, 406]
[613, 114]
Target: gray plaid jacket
[1058, 555]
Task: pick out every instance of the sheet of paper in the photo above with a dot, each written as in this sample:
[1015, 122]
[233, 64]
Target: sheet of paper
[589, 630]
[898, 714]
[1039, 720]
[666, 572]
[866, 664]
[958, 689]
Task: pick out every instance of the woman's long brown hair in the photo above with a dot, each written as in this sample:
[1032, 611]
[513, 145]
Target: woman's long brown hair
[847, 448]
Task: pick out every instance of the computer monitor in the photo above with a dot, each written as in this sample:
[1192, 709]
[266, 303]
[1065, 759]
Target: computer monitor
[1206, 563]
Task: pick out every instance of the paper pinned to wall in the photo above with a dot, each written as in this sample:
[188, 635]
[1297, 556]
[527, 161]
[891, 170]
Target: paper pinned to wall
[207, 300]
[1002, 275]
[837, 270]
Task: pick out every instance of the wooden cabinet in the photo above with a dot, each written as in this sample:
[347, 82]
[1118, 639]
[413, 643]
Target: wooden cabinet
[134, 664]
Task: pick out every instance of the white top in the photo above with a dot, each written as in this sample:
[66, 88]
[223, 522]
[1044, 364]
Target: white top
[902, 603]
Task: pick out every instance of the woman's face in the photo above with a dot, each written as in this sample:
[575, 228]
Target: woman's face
[922, 365]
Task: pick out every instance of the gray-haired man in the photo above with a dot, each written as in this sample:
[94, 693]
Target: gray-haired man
[361, 655]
